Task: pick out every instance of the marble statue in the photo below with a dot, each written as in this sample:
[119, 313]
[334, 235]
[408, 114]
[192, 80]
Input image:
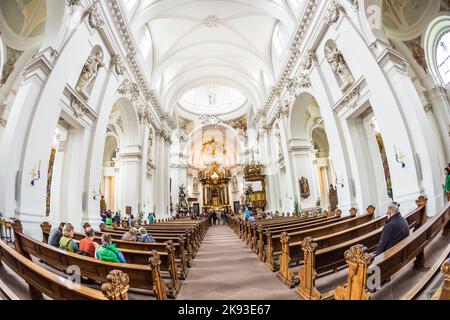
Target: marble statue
[90, 71]
[339, 66]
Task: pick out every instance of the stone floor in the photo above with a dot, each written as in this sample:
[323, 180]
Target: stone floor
[225, 269]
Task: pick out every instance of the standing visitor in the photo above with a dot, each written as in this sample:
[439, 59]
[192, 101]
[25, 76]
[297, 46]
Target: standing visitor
[447, 182]
[116, 218]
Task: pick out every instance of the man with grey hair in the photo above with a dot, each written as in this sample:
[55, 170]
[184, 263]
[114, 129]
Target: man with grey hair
[395, 229]
[144, 236]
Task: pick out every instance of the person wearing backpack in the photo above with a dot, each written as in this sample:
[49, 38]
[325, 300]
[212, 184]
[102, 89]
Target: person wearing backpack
[108, 251]
[67, 242]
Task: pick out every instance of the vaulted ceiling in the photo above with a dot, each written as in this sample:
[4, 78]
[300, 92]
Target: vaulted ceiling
[192, 43]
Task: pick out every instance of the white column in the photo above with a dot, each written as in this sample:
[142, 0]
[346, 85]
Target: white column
[130, 160]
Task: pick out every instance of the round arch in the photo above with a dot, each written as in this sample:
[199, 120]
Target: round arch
[130, 133]
[436, 29]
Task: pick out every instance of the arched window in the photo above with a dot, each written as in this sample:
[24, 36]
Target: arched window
[443, 57]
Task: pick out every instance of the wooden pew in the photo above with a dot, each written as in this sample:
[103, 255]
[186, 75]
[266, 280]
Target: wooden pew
[192, 238]
[274, 242]
[266, 236]
[392, 260]
[133, 255]
[324, 237]
[41, 281]
[258, 231]
[147, 277]
[331, 258]
[424, 282]
[190, 247]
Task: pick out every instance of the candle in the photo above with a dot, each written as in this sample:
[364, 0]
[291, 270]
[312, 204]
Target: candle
[39, 168]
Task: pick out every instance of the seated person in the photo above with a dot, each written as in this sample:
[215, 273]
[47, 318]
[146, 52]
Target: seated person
[252, 218]
[55, 235]
[87, 245]
[144, 236]
[108, 251]
[67, 242]
[116, 219]
[130, 235]
[395, 229]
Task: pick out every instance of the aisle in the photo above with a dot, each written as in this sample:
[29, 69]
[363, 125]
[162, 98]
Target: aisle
[225, 269]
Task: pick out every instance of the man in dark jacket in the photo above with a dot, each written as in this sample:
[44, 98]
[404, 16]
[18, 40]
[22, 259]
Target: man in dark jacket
[395, 229]
[56, 235]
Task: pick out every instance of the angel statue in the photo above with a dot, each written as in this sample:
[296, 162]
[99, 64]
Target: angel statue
[89, 71]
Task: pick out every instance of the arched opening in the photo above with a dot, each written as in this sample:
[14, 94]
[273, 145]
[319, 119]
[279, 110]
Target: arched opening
[108, 197]
[310, 152]
[122, 160]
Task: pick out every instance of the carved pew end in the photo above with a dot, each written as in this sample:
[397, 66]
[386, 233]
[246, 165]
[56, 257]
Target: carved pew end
[116, 285]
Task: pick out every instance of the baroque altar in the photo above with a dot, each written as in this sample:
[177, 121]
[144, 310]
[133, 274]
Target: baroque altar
[215, 181]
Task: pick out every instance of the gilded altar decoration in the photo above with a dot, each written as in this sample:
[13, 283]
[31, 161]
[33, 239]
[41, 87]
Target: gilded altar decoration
[215, 180]
[51, 163]
[304, 188]
[252, 170]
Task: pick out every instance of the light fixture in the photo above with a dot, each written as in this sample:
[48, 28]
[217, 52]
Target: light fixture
[36, 174]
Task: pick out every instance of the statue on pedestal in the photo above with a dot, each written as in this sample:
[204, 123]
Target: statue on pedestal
[182, 203]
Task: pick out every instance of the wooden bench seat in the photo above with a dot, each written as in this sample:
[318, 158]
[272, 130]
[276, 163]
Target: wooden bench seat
[190, 245]
[274, 242]
[170, 253]
[392, 260]
[292, 254]
[321, 261]
[147, 277]
[258, 232]
[41, 281]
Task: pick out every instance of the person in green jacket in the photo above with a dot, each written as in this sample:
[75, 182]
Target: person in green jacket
[66, 242]
[108, 251]
[447, 183]
[151, 218]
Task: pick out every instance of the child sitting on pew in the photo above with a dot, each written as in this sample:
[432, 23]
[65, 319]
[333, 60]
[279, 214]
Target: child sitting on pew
[108, 251]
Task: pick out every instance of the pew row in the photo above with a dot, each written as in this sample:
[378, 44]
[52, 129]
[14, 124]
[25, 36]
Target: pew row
[146, 277]
[168, 261]
[275, 241]
[392, 260]
[329, 259]
[43, 282]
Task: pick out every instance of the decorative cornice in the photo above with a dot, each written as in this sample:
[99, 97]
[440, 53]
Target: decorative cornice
[293, 59]
[333, 13]
[94, 17]
[131, 56]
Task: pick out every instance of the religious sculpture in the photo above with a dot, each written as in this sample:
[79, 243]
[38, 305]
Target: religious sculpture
[182, 203]
[195, 185]
[304, 188]
[339, 66]
[419, 54]
[90, 71]
[333, 198]
[234, 183]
